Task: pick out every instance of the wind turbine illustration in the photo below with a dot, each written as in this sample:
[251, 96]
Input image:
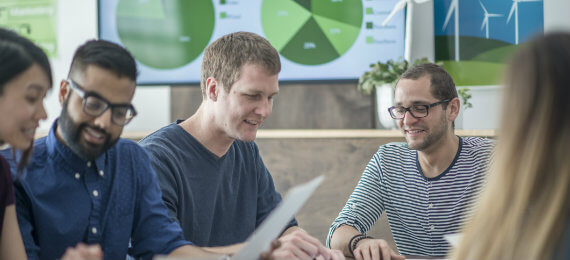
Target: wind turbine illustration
[486, 20]
[409, 25]
[454, 8]
[515, 9]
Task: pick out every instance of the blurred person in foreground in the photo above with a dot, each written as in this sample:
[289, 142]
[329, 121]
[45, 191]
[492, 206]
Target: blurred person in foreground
[524, 211]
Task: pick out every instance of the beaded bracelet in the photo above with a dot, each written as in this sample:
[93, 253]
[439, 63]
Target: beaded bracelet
[350, 243]
[354, 241]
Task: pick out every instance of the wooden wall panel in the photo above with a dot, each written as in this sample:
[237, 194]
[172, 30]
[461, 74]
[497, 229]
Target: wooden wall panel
[314, 106]
[184, 101]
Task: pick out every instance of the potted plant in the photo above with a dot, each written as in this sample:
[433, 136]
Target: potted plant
[382, 77]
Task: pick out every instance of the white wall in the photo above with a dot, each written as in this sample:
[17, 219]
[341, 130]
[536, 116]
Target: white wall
[556, 15]
[77, 23]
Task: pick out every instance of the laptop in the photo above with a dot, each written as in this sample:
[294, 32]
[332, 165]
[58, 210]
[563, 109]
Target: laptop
[260, 240]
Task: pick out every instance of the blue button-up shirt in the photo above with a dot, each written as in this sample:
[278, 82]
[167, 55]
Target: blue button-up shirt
[62, 200]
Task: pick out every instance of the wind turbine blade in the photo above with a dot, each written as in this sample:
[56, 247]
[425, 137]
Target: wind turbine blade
[529, 0]
[449, 12]
[421, 1]
[486, 20]
[512, 10]
[484, 9]
[494, 15]
[399, 6]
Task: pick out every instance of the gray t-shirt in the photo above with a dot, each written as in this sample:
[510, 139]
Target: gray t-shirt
[218, 201]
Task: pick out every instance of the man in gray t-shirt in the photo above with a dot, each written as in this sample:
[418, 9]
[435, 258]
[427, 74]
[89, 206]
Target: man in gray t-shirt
[229, 195]
[211, 174]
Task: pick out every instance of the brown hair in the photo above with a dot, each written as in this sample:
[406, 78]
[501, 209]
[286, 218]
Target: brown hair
[224, 58]
[524, 209]
[441, 83]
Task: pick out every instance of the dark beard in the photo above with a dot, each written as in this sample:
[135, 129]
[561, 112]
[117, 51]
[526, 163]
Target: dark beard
[434, 137]
[71, 133]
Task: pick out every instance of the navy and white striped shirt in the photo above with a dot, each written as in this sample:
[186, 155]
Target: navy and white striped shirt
[420, 210]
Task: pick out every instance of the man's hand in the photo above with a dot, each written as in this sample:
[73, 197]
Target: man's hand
[300, 245]
[335, 255]
[267, 254]
[375, 249]
[83, 252]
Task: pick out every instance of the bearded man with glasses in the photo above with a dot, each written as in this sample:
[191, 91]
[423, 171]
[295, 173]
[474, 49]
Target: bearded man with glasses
[87, 188]
[425, 185]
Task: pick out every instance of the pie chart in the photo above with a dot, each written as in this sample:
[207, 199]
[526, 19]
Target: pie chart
[311, 32]
[165, 34]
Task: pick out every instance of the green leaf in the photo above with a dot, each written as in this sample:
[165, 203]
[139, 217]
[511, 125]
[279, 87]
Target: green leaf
[465, 96]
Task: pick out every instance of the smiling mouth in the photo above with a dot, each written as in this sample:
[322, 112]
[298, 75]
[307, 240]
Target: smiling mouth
[94, 135]
[414, 131]
[252, 122]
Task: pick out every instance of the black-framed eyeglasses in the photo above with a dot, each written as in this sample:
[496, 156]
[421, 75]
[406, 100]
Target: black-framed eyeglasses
[95, 105]
[417, 111]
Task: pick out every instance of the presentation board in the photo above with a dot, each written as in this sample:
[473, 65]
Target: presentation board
[319, 40]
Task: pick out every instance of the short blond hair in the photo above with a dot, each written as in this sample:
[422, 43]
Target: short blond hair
[224, 58]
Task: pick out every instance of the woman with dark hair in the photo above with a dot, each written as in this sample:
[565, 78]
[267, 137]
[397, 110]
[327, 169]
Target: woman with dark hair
[524, 212]
[25, 78]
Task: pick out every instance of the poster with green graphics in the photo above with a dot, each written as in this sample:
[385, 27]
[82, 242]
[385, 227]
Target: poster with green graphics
[475, 38]
[317, 40]
[34, 19]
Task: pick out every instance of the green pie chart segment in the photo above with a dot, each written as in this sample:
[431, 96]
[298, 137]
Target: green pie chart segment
[349, 12]
[165, 34]
[311, 32]
[337, 32]
[310, 46]
[281, 20]
[304, 3]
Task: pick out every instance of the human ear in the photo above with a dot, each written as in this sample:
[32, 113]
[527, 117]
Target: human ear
[212, 88]
[63, 91]
[453, 108]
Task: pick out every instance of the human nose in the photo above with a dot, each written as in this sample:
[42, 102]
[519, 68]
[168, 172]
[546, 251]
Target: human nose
[265, 108]
[103, 121]
[408, 118]
[41, 113]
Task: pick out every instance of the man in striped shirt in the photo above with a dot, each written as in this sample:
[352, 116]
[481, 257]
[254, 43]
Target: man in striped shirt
[425, 185]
